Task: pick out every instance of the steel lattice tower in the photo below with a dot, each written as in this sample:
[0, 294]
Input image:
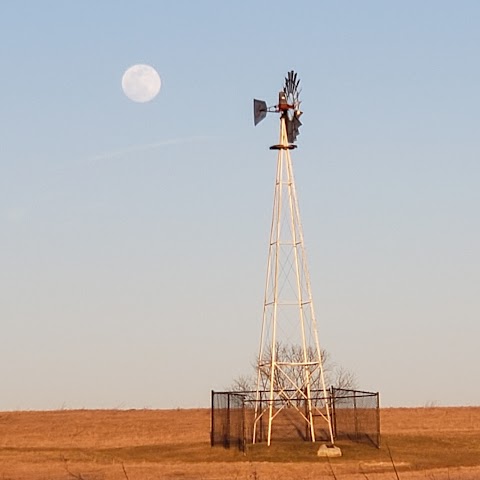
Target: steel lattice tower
[290, 375]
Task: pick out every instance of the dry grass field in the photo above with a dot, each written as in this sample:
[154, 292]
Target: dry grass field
[425, 443]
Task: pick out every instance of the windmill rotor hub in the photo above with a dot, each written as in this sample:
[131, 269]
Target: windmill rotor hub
[283, 104]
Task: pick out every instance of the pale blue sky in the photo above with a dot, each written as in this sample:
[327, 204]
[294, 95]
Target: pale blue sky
[134, 236]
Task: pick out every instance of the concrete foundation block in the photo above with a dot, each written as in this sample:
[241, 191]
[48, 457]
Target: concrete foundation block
[330, 451]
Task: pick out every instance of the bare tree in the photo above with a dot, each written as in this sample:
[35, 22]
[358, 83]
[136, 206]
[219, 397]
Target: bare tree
[334, 375]
[243, 383]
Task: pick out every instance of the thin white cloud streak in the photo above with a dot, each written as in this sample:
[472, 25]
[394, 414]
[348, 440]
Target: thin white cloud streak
[149, 146]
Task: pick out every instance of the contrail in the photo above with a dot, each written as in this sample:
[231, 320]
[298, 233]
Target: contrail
[148, 146]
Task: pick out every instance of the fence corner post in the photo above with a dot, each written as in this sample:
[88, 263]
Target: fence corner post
[212, 424]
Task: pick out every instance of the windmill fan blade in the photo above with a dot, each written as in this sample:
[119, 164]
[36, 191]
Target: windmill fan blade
[259, 111]
[296, 125]
[290, 131]
[293, 127]
[291, 84]
[287, 83]
[288, 125]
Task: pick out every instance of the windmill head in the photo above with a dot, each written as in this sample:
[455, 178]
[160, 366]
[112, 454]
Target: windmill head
[288, 106]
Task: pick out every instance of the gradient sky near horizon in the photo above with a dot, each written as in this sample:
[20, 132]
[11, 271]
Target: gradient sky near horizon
[133, 237]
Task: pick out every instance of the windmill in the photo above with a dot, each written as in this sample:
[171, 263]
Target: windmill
[290, 377]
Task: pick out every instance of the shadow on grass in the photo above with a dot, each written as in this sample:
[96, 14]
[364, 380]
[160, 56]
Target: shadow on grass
[409, 452]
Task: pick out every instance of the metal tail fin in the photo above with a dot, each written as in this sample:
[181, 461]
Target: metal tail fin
[259, 111]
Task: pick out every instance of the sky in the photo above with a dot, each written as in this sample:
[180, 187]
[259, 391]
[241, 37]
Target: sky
[134, 237]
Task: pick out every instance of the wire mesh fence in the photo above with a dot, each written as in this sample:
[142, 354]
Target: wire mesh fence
[228, 420]
[355, 416]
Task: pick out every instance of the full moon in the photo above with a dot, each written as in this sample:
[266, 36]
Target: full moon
[141, 83]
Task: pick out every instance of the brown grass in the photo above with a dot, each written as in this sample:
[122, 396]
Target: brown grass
[426, 443]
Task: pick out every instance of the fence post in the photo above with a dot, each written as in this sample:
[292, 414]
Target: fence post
[333, 411]
[212, 427]
[227, 436]
[378, 420]
[260, 426]
[244, 428]
[308, 434]
[355, 413]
